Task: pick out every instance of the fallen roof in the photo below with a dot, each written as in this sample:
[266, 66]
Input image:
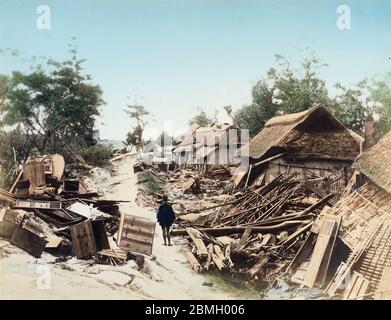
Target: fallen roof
[375, 163]
[360, 211]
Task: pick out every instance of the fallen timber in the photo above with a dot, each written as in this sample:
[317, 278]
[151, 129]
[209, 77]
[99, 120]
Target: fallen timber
[49, 210]
[258, 233]
[223, 231]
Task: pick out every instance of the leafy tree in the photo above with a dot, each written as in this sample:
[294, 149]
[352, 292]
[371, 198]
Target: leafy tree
[135, 137]
[57, 104]
[4, 83]
[283, 90]
[352, 106]
[298, 90]
[254, 116]
[12, 151]
[381, 95]
[202, 119]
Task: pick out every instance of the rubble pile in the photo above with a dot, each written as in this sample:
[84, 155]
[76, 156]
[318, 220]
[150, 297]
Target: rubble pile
[47, 211]
[258, 233]
[185, 187]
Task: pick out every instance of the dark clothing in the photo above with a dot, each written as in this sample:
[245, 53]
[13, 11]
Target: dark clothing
[165, 215]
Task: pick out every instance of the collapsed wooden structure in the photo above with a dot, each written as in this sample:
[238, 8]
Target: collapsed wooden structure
[291, 227]
[258, 233]
[48, 212]
[366, 228]
[312, 143]
[206, 147]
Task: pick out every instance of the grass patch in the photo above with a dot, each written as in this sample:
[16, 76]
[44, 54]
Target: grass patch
[149, 182]
[236, 287]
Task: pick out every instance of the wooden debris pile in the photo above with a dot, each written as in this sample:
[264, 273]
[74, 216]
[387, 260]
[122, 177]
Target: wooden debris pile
[48, 212]
[258, 233]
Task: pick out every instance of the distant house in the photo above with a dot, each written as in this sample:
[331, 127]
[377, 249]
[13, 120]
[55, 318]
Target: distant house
[366, 223]
[312, 144]
[208, 146]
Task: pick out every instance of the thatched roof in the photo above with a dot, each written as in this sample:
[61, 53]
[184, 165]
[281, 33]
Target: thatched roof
[314, 131]
[208, 136]
[375, 163]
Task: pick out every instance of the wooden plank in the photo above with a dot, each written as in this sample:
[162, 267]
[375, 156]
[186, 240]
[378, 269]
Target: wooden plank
[195, 265]
[53, 242]
[320, 259]
[219, 253]
[34, 170]
[130, 245]
[196, 237]
[218, 262]
[356, 288]
[209, 258]
[58, 166]
[256, 269]
[35, 204]
[385, 285]
[83, 239]
[244, 238]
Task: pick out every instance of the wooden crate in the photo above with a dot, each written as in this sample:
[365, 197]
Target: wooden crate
[83, 240]
[29, 237]
[136, 234]
[9, 223]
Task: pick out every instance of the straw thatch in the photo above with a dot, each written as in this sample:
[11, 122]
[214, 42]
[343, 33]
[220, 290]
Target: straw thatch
[315, 132]
[376, 163]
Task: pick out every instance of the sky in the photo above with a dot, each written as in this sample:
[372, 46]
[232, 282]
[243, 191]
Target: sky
[174, 56]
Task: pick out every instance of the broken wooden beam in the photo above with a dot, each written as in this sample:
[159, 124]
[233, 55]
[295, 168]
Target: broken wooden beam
[196, 236]
[195, 265]
[223, 231]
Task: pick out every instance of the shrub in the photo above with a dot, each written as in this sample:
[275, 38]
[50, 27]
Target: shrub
[97, 155]
[149, 182]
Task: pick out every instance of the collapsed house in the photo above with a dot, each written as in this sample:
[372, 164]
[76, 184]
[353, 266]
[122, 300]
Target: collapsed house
[312, 144]
[366, 228]
[154, 155]
[207, 147]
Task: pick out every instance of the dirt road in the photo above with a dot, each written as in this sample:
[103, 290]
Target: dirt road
[165, 275]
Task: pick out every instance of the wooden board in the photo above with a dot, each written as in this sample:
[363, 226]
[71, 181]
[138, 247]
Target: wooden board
[320, 259]
[196, 237]
[356, 288]
[58, 166]
[83, 240]
[28, 236]
[35, 204]
[246, 234]
[385, 285]
[195, 265]
[53, 242]
[136, 234]
[35, 172]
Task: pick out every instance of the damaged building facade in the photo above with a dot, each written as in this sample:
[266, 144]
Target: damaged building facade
[206, 147]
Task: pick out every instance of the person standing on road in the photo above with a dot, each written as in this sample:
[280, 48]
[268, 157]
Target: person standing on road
[166, 217]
